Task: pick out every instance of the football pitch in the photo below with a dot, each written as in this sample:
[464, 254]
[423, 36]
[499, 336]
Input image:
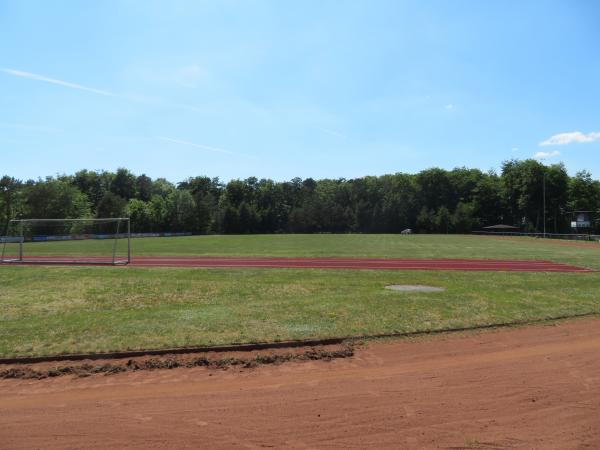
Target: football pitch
[51, 310]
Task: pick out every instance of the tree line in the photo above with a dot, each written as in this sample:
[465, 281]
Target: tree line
[431, 201]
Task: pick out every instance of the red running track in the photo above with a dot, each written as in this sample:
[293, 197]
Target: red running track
[338, 263]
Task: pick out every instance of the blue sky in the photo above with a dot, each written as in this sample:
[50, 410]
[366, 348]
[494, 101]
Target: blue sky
[282, 88]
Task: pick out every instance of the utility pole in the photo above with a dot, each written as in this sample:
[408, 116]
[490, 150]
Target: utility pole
[544, 195]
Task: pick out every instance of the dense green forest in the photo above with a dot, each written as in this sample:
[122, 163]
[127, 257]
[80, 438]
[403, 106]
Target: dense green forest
[434, 200]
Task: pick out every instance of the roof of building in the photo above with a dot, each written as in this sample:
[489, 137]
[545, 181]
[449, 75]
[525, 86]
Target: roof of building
[500, 227]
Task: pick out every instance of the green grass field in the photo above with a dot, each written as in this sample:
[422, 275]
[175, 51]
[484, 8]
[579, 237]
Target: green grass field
[53, 310]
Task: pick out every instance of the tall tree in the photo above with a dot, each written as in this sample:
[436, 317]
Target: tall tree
[124, 184]
[55, 199]
[143, 187]
[524, 187]
[111, 205]
[10, 189]
[584, 192]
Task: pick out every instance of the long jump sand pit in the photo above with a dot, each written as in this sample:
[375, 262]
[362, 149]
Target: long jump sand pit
[534, 387]
[334, 263]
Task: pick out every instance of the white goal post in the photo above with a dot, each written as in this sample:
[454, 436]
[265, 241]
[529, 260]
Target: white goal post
[67, 241]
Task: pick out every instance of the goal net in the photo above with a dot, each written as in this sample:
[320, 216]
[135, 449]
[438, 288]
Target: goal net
[67, 241]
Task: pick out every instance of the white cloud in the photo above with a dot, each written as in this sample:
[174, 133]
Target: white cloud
[135, 98]
[33, 76]
[515, 149]
[449, 107]
[194, 71]
[573, 136]
[200, 146]
[547, 155]
[333, 133]
[190, 76]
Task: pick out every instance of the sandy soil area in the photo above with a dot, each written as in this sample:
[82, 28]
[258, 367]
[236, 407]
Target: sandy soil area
[534, 387]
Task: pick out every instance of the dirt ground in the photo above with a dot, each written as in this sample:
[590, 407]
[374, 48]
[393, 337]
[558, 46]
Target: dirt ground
[534, 387]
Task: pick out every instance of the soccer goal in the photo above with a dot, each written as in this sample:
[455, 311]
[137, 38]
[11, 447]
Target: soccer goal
[67, 241]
